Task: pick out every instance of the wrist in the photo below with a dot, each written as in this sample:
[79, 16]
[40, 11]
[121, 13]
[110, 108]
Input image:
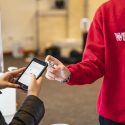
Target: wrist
[67, 79]
[33, 93]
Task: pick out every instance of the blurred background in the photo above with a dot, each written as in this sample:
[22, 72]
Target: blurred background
[31, 28]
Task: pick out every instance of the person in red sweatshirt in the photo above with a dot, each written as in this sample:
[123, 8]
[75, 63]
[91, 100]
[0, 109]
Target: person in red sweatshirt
[104, 55]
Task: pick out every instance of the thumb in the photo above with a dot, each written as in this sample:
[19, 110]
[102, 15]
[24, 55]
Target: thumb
[48, 58]
[33, 77]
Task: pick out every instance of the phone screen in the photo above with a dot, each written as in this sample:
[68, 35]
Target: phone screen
[34, 68]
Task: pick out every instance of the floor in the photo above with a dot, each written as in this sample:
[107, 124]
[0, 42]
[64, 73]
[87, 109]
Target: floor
[74, 105]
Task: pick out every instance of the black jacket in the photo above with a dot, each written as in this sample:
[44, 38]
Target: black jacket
[30, 113]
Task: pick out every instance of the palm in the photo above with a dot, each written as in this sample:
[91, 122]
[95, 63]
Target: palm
[62, 73]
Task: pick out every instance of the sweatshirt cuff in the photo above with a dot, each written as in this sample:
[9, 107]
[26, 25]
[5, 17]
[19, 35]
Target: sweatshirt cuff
[71, 80]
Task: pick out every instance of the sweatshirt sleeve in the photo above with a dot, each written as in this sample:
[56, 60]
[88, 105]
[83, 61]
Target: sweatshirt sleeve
[93, 61]
[30, 113]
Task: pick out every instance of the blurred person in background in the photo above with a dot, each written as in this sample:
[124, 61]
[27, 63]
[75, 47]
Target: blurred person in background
[104, 56]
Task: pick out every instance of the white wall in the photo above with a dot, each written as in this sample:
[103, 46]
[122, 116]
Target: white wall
[92, 7]
[18, 23]
[75, 16]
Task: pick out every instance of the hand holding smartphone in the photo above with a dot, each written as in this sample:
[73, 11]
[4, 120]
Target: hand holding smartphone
[36, 67]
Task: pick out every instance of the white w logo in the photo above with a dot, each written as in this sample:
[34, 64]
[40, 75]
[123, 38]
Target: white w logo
[120, 36]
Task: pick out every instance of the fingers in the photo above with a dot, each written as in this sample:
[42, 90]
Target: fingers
[51, 69]
[15, 73]
[6, 84]
[54, 68]
[49, 77]
[35, 86]
[18, 71]
[52, 73]
[52, 59]
[32, 83]
[33, 77]
[12, 85]
[49, 57]
[40, 79]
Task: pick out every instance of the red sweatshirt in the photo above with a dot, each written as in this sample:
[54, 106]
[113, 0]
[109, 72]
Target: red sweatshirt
[104, 55]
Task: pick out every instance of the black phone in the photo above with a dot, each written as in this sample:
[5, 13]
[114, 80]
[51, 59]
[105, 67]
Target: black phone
[36, 67]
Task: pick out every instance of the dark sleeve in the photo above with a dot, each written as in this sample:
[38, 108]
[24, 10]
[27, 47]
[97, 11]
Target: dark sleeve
[2, 120]
[30, 113]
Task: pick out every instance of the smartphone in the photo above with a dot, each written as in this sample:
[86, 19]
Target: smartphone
[36, 67]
